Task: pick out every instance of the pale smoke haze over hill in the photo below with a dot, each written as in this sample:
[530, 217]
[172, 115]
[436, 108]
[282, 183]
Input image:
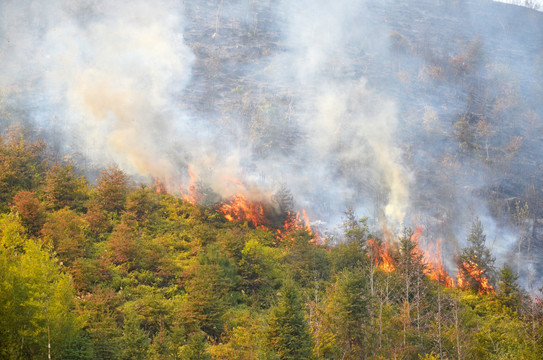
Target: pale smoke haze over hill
[532, 4]
[423, 113]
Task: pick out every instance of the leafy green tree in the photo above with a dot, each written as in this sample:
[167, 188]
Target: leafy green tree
[36, 298]
[195, 348]
[352, 252]
[206, 301]
[78, 347]
[259, 272]
[307, 262]
[411, 268]
[351, 301]
[100, 309]
[288, 332]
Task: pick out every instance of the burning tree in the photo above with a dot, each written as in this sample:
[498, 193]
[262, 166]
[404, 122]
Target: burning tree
[475, 263]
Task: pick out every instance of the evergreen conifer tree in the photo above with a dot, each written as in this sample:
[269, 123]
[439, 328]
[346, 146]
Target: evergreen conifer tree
[288, 333]
[475, 263]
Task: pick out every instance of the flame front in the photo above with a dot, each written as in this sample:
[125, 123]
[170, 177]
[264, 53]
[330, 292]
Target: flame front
[476, 273]
[435, 269]
[431, 253]
[387, 261]
[239, 208]
[191, 192]
[382, 256]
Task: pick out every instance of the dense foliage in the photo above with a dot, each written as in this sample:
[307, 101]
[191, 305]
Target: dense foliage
[119, 271]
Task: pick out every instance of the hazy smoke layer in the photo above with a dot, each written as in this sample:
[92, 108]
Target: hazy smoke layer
[412, 113]
[532, 4]
[104, 72]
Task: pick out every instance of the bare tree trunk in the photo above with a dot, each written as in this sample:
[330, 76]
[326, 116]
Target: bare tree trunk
[406, 320]
[418, 309]
[457, 330]
[439, 320]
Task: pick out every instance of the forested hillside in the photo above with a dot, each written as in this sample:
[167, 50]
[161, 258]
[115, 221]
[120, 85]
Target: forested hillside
[119, 270]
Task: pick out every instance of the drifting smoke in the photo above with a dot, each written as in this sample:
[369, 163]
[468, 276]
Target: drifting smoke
[103, 72]
[412, 113]
[349, 126]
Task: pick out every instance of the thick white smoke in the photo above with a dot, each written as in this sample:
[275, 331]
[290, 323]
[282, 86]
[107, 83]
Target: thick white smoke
[105, 72]
[396, 109]
[112, 76]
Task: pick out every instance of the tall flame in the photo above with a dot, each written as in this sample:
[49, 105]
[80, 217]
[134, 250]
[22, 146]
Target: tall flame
[191, 192]
[382, 256]
[476, 273]
[239, 208]
[431, 253]
[435, 269]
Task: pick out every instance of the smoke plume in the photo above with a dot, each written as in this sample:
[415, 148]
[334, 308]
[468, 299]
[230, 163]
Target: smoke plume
[411, 113]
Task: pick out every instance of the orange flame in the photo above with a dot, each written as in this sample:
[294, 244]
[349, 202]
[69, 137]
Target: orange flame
[476, 273]
[387, 263]
[294, 223]
[431, 253]
[191, 194]
[435, 269]
[239, 208]
[159, 186]
[382, 256]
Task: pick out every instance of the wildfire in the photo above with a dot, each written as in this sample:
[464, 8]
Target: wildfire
[435, 269]
[476, 273]
[191, 194]
[159, 186]
[387, 261]
[239, 208]
[295, 223]
[382, 256]
[431, 253]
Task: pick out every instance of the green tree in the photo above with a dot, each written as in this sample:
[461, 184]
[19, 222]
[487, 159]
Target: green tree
[195, 348]
[475, 263]
[509, 292]
[259, 272]
[78, 347]
[206, 301]
[100, 309]
[411, 268]
[350, 308]
[352, 252]
[135, 341]
[288, 333]
[36, 298]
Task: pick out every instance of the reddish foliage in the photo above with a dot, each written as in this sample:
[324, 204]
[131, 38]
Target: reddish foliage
[30, 209]
[65, 230]
[112, 189]
[97, 218]
[123, 245]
